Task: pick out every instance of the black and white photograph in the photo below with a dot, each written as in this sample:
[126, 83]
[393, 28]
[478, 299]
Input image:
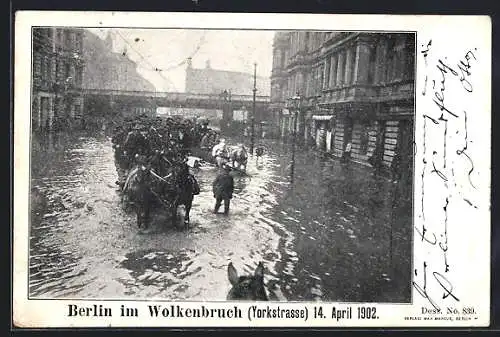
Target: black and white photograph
[214, 165]
[245, 170]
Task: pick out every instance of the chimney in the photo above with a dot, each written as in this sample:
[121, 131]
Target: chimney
[207, 64]
[190, 62]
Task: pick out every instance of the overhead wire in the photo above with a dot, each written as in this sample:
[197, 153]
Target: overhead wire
[155, 69]
[184, 60]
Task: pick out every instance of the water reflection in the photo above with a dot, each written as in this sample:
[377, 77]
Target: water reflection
[336, 233]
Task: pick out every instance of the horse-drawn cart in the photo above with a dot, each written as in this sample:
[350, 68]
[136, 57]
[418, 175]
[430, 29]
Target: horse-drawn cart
[150, 156]
[173, 194]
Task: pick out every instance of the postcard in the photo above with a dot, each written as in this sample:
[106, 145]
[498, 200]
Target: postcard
[251, 170]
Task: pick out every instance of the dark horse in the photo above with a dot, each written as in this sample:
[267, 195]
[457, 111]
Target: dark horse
[180, 193]
[250, 288]
[137, 189]
[175, 192]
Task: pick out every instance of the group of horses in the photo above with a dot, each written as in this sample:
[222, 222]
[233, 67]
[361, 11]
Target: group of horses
[145, 190]
[237, 156]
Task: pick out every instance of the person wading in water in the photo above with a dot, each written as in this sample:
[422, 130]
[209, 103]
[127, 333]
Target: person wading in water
[220, 153]
[223, 187]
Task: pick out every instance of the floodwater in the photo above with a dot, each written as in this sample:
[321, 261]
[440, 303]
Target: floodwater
[336, 233]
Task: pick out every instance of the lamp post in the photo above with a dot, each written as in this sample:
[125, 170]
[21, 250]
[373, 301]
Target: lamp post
[294, 104]
[252, 138]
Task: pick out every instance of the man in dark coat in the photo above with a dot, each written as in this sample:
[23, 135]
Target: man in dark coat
[223, 187]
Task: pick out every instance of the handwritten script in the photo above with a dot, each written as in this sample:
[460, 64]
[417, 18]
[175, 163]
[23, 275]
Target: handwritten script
[446, 164]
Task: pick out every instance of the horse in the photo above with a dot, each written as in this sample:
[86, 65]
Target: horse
[249, 288]
[239, 155]
[137, 189]
[259, 151]
[180, 193]
[221, 160]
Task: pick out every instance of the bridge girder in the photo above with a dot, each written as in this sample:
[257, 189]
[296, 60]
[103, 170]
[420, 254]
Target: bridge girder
[183, 102]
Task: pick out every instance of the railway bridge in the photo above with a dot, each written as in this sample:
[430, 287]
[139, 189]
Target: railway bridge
[112, 102]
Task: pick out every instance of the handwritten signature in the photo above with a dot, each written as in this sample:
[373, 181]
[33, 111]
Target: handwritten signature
[441, 280]
[436, 161]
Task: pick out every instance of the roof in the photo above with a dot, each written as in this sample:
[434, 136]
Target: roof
[107, 70]
[209, 81]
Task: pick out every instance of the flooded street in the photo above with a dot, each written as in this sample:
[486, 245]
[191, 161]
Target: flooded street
[337, 233]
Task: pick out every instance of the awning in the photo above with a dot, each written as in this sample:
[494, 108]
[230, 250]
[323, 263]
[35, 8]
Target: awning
[322, 117]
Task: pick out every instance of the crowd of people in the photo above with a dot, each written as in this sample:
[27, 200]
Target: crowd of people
[162, 146]
[151, 155]
[144, 139]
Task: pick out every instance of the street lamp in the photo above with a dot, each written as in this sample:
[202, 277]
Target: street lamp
[254, 90]
[294, 104]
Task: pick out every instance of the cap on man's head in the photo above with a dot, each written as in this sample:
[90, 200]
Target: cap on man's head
[222, 140]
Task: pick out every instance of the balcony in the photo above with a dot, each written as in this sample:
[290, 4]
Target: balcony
[349, 93]
[278, 72]
[399, 90]
[335, 37]
[396, 90]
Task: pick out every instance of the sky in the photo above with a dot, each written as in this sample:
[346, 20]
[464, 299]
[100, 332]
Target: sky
[168, 49]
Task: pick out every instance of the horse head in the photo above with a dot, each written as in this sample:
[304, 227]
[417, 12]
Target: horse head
[249, 288]
[143, 172]
[241, 149]
[259, 151]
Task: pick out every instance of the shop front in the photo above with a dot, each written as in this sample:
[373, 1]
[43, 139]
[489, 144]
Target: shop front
[323, 132]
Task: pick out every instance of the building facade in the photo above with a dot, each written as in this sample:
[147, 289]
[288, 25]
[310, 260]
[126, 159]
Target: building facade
[107, 69]
[355, 88]
[223, 84]
[57, 99]
[214, 81]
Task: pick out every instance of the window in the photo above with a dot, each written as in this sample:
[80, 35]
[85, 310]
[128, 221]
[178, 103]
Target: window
[320, 78]
[341, 69]
[409, 70]
[78, 40]
[307, 78]
[352, 64]
[78, 76]
[58, 70]
[372, 65]
[316, 80]
[44, 107]
[67, 39]
[327, 73]
[333, 71]
[400, 62]
[53, 69]
[67, 73]
[390, 62]
[45, 69]
[37, 65]
[363, 141]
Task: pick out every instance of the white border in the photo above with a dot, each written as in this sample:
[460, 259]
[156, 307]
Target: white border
[451, 36]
